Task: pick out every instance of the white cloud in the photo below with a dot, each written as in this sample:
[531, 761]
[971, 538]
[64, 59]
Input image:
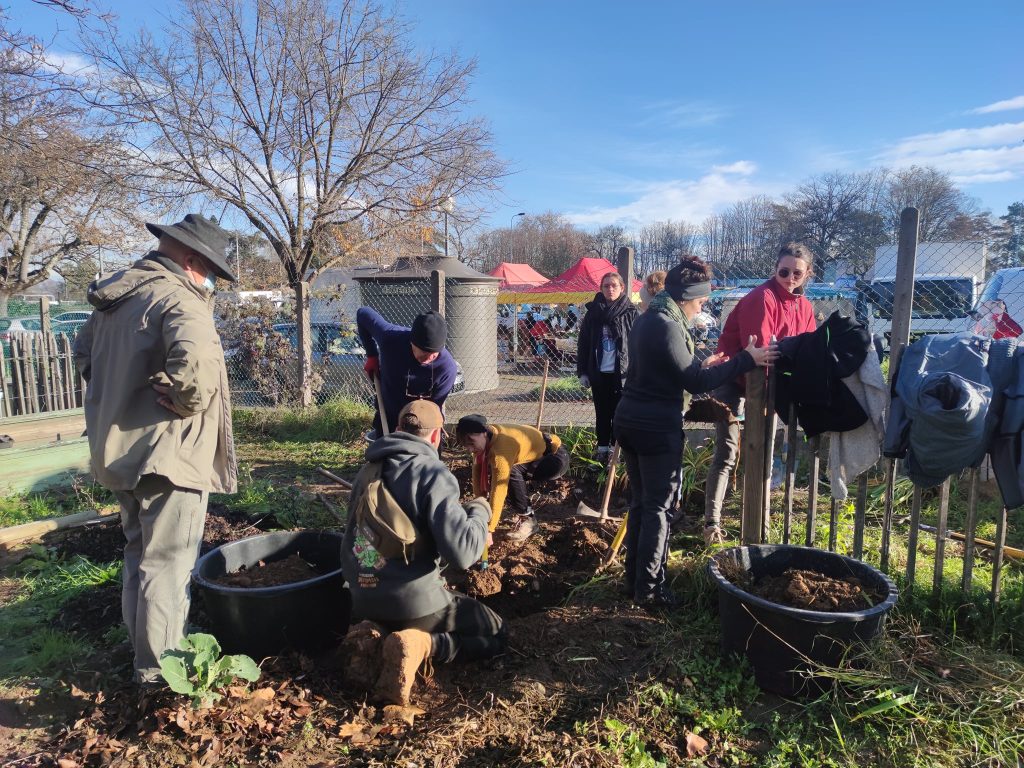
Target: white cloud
[69, 64]
[690, 200]
[683, 114]
[926, 144]
[1017, 102]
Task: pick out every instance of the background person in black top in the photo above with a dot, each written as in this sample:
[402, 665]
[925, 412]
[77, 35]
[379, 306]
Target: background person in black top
[602, 356]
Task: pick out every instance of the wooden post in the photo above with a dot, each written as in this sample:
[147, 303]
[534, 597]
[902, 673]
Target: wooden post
[769, 450]
[890, 489]
[437, 291]
[5, 392]
[787, 523]
[18, 405]
[940, 537]
[305, 336]
[44, 315]
[624, 263]
[859, 512]
[915, 521]
[543, 394]
[997, 563]
[903, 288]
[812, 491]
[833, 524]
[752, 521]
[969, 524]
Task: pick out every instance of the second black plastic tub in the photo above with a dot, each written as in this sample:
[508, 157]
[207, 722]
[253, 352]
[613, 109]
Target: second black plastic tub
[307, 615]
[779, 640]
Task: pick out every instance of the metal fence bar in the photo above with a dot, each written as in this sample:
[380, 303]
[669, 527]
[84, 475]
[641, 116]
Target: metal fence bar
[912, 537]
[812, 491]
[940, 537]
[969, 525]
[859, 512]
[791, 437]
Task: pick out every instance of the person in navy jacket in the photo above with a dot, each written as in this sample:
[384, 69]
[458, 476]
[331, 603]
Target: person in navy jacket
[412, 363]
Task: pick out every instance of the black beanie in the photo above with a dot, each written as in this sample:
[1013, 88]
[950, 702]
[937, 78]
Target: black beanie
[472, 424]
[429, 331]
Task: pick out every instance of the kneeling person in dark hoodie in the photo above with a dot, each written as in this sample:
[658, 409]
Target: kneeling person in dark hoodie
[406, 595]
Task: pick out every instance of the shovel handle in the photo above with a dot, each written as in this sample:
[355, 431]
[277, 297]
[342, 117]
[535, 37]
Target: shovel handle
[613, 465]
[620, 536]
[380, 406]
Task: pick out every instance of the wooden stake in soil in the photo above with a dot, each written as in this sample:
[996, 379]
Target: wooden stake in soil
[859, 511]
[915, 522]
[969, 524]
[5, 392]
[543, 394]
[787, 523]
[940, 538]
[751, 521]
[997, 564]
[812, 492]
[833, 524]
[890, 489]
[331, 476]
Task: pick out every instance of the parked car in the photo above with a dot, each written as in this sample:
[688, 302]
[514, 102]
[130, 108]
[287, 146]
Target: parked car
[11, 325]
[69, 328]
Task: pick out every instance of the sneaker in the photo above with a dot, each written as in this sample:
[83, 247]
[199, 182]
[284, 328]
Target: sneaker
[713, 534]
[402, 654]
[664, 600]
[602, 453]
[525, 528]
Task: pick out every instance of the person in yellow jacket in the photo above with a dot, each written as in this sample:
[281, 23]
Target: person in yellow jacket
[505, 458]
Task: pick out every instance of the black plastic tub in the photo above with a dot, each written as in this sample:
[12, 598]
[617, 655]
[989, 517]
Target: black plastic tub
[308, 615]
[778, 640]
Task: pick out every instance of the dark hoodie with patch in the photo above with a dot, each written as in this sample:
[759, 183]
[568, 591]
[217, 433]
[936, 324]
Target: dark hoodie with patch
[393, 590]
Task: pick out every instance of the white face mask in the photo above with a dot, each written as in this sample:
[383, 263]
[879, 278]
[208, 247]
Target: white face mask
[210, 282]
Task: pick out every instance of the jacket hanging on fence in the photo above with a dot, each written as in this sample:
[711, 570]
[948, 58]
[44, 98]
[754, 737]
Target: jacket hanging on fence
[857, 450]
[940, 419]
[1006, 367]
[809, 374]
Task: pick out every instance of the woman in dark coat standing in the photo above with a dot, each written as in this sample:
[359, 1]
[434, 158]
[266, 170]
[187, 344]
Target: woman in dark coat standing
[648, 421]
[602, 355]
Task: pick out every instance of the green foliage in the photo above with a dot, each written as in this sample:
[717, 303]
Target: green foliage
[340, 419]
[563, 390]
[198, 670]
[696, 460]
[629, 746]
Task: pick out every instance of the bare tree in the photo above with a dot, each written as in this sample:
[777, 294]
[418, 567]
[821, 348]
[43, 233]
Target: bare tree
[305, 116]
[65, 187]
[938, 200]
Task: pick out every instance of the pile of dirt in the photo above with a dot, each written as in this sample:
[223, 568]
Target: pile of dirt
[99, 542]
[92, 611]
[805, 589]
[224, 525]
[290, 570]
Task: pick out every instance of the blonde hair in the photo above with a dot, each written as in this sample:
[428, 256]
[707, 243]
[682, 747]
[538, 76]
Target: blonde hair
[655, 282]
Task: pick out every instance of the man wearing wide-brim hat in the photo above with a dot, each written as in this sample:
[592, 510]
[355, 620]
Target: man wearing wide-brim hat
[158, 415]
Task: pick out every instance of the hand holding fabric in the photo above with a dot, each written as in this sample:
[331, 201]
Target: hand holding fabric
[763, 356]
[585, 381]
[372, 366]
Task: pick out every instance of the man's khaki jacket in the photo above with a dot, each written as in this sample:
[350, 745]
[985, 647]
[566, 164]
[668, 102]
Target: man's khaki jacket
[153, 325]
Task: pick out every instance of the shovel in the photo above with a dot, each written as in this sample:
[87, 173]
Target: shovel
[380, 406]
[584, 511]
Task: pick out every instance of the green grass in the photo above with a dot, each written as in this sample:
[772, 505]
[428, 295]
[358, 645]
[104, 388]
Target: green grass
[82, 494]
[339, 420]
[562, 390]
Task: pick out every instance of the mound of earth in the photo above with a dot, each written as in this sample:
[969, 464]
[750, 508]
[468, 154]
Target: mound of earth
[290, 570]
[805, 589]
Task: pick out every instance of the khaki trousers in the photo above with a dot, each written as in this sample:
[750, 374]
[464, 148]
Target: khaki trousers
[163, 527]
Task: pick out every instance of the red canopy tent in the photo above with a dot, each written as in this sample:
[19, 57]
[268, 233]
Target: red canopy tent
[517, 277]
[579, 283]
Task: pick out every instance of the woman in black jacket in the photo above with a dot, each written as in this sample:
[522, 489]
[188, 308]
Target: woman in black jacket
[602, 356]
[648, 421]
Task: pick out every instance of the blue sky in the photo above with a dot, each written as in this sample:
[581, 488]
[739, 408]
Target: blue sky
[616, 113]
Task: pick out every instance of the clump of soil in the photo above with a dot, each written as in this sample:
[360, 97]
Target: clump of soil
[803, 588]
[288, 571]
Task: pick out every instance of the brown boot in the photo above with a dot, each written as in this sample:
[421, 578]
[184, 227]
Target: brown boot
[402, 654]
[361, 650]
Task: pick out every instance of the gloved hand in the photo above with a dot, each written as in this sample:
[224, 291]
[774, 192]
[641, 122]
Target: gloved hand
[585, 381]
[372, 366]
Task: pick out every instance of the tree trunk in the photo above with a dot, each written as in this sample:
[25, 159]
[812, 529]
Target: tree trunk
[305, 333]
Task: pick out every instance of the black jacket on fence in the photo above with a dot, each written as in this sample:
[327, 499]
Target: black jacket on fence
[619, 316]
[809, 375]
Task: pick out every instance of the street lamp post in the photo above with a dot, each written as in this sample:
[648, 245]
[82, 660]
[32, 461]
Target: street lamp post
[511, 224]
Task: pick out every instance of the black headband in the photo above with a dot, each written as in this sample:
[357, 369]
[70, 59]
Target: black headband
[689, 290]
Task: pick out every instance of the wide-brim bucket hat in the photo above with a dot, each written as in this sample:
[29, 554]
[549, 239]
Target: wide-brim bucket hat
[202, 235]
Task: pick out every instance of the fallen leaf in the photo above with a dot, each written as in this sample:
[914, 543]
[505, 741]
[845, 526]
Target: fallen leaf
[78, 692]
[65, 763]
[695, 745]
[348, 730]
[397, 713]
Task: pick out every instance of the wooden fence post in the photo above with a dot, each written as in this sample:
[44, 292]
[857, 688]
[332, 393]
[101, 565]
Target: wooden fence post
[754, 426]
[624, 264]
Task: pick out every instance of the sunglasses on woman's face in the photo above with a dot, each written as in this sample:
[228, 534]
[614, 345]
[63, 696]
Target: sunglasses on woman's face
[784, 272]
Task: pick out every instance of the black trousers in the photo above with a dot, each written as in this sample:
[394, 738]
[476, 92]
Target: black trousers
[466, 629]
[545, 468]
[606, 389]
[652, 463]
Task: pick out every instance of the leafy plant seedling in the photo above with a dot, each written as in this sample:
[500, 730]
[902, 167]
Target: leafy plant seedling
[198, 670]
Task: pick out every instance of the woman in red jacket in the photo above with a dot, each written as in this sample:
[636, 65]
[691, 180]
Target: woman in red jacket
[775, 308]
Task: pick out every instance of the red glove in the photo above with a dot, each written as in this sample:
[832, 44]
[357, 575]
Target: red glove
[372, 366]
